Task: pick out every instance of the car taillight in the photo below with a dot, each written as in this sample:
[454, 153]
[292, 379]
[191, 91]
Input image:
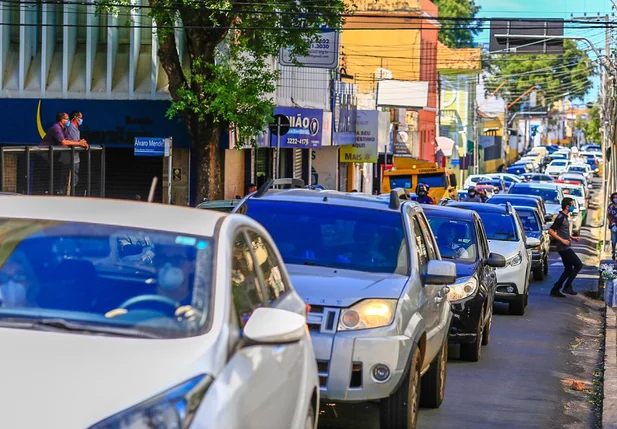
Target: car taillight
[308, 309]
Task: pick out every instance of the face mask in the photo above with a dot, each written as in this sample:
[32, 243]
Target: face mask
[170, 277]
[571, 209]
[13, 294]
[615, 200]
[472, 194]
[80, 121]
[68, 124]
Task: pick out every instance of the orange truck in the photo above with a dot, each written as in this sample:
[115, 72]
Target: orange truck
[408, 173]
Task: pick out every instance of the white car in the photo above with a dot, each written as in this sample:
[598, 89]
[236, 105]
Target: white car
[576, 219]
[557, 167]
[572, 176]
[580, 168]
[509, 179]
[579, 193]
[473, 179]
[135, 315]
[506, 237]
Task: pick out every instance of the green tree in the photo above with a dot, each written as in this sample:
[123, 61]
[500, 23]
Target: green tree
[591, 125]
[458, 34]
[558, 77]
[228, 77]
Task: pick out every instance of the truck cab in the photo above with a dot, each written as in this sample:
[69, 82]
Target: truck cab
[408, 173]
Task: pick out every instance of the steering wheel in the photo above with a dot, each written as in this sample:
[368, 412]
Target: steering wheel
[157, 299]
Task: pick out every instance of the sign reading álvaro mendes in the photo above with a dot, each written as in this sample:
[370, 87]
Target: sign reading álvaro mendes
[371, 134]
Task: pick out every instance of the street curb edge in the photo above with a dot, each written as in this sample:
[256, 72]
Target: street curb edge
[609, 408]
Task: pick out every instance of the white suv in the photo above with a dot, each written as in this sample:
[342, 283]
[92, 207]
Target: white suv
[557, 167]
[506, 237]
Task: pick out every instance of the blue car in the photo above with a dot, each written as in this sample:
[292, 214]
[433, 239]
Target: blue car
[517, 169]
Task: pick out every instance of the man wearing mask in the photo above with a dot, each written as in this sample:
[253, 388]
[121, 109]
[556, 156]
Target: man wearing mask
[58, 135]
[18, 286]
[611, 215]
[65, 158]
[472, 196]
[560, 231]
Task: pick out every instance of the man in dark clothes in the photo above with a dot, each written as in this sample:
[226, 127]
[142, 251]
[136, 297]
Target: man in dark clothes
[560, 231]
[57, 135]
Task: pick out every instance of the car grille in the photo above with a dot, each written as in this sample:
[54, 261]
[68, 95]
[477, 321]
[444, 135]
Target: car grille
[323, 319]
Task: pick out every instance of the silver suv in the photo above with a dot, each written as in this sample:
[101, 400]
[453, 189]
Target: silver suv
[372, 274]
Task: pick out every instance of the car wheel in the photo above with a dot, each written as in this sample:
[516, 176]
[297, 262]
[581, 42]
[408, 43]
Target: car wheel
[310, 418]
[400, 410]
[546, 265]
[538, 272]
[434, 381]
[517, 308]
[486, 335]
[472, 352]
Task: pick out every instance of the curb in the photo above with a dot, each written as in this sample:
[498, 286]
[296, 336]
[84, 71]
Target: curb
[609, 407]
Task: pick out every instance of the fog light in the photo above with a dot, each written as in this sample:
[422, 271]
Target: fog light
[381, 372]
[510, 289]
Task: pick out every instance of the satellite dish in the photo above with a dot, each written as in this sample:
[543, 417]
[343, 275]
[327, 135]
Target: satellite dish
[382, 73]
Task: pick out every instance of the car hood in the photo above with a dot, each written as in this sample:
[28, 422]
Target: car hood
[342, 288]
[507, 249]
[71, 381]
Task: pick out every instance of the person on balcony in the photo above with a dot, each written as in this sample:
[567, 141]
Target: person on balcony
[76, 119]
[58, 135]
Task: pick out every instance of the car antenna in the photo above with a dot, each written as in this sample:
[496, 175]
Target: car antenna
[152, 189]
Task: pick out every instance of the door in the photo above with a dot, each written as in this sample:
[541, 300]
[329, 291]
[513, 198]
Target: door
[488, 278]
[261, 384]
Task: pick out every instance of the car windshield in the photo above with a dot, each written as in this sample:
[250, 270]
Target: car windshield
[548, 195]
[333, 236]
[499, 226]
[576, 192]
[432, 180]
[558, 163]
[576, 168]
[455, 238]
[105, 278]
[529, 220]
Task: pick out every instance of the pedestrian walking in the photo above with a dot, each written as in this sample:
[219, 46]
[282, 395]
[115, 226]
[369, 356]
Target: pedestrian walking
[560, 231]
[611, 216]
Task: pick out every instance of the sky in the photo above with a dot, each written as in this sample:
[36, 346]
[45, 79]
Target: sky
[565, 9]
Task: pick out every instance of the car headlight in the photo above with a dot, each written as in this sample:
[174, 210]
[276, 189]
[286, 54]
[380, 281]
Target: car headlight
[464, 287]
[515, 260]
[367, 314]
[172, 409]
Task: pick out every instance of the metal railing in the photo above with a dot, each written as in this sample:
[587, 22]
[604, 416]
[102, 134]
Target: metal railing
[52, 170]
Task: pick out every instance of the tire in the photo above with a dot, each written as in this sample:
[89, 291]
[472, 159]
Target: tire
[517, 308]
[546, 265]
[310, 418]
[434, 381]
[486, 335]
[400, 410]
[538, 272]
[472, 352]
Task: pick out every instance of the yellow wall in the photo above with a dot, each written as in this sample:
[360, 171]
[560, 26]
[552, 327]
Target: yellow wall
[364, 51]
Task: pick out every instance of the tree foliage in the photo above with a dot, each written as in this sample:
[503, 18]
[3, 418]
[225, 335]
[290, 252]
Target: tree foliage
[458, 34]
[229, 78]
[558, 77]
[591, 125]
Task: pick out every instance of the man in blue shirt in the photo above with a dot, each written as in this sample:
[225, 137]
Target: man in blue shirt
[74, 135]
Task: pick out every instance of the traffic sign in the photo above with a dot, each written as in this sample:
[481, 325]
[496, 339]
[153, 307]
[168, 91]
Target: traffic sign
[280, 126]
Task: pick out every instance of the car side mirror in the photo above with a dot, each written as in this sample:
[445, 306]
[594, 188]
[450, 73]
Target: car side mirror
[532, 243]
[274, 326]
[440, 273]
[548, 218]
[496, 260]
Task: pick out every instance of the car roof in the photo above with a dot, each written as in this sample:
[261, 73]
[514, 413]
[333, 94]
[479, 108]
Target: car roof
[515, 197]
[449, 212]
[479, 207]
[130, 214]
[349, 199]
[534, 185]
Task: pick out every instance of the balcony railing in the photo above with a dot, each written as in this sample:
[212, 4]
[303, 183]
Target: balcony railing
[53, 170]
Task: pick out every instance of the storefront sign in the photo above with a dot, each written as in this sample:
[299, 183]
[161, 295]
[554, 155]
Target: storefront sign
[368, 138]
[323, 52]
[151, 146]
[306, 128]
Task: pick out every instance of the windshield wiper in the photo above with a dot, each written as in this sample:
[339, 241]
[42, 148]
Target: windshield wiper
[66, 326]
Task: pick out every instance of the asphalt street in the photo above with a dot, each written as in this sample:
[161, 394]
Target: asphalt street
[519, 383]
